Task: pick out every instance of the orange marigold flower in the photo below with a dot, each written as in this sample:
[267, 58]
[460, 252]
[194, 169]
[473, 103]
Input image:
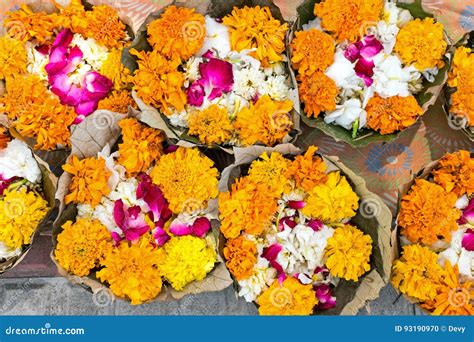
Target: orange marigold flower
[89, 180]
[417, 273]
[132, 271]
[256, 28]
[313, 51]
[248, 207]
[118, 102]
[105, 26]
[308, 170]
[270, 170]
[455, 173]
[212, 125]
[462, 103]
[4, 138]
[178, 33]
[36, 113]
[25, 24]
[72, 17]
[462, 68]
[392, 114]
[348, 19]
[13, 57]
[241, 256]
[421, 43]
[289, 298]
[267, 121]
[82, 246]
[187, 178]
[141, 146]
[454, 297]
[158, 82]
[428, 213]
[318, 93]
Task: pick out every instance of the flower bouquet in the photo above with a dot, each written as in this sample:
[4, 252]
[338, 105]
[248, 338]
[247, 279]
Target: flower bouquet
[436, 227]
[219, 79]
[461, 88]
[27, 190]
[59, 64]
[367, 70]
[139, 220]
[303, 234]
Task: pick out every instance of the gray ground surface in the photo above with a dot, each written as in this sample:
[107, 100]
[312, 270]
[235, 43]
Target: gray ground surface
[56, 296]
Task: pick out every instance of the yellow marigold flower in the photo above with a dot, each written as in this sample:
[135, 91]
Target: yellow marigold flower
[82, 246]
[36, 113]
[72, 17]
[118, 102]
[333, 200]
[13, 57]
[256, 28]
[241, 256]
[186, 259]
[21, 212]
[421, 43]
[132, 271]
[318, 93]
[417, 273]
[313, 51]
[114, 70]
[25, 24]
[307, 170]
[89, 180]
[212, 125]
[141, 146]
[289, 298]
[348, 253]
[178, 33]
[105, 26]
[270, 170]
[462, 102]
[187, 178]
[454, 297]
[428, 213]
[248, 207]
[455, 173]
[392, 114]
[266, 121]
[158, 82]
[348, 19]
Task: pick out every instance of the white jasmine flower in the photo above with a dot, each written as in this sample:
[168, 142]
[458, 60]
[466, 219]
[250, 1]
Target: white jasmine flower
[390, 77]
[387, 35]
[263, 276]
[217, 38]
[396, 15]
[302, 248]
[94, 54]
[117, 171]
[457, 255]
[466, 263]
[247, 82]
[343, 74]
[16, 160]
[104, 213]
[179, 119]
[462, 202]
[313, 24]
[36, 62]
[7, 252]
[126, 191]
[84, 210]
[191, 70]
[276, 87]
[347, 113]
[242, 59]
[277, 68]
